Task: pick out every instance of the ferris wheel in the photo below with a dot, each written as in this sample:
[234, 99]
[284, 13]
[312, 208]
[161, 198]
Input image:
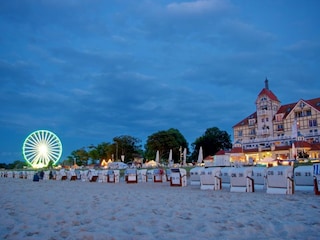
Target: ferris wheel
[41, 147]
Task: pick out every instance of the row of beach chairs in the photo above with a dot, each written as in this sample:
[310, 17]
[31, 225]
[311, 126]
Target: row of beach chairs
[90, 175]
[276, 180]
[176, 177]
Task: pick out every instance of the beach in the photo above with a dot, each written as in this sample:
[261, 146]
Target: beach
[52, 209]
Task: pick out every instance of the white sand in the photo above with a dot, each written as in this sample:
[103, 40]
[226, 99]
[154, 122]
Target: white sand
[85, 210]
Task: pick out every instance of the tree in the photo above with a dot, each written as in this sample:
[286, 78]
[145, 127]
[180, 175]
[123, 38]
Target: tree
[81, 156]
[128, 146]
[212, 141]
[69, 161]
[163, 141]
[104, 151]
[16, 165]
[93, 154]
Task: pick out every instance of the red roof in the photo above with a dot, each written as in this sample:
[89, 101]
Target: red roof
[269, 93]
[236, 150]
[314, 103]
[302, 144]
[221, 152]
[208, 158]
[315, 147]
[245, 121]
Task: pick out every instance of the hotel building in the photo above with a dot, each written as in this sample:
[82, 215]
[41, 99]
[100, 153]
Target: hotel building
[275, 131]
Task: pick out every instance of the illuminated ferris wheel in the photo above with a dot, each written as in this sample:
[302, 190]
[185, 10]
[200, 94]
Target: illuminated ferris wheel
[41, 147]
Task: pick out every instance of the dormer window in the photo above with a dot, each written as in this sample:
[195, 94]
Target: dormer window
[279, 117]
[252, 121]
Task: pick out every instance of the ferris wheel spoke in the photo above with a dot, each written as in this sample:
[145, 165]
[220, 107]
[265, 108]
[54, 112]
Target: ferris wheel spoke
[32, 141]
[51, 139]
[37, 138]
[53, 156]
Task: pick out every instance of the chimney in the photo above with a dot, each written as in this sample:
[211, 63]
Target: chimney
[266, 84]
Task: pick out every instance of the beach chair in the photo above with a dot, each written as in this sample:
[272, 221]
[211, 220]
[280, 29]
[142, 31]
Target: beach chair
[303, 178]
[210, 179]
[62, 175]
[113, 176]
[178, 177]
[84, 175]
[102, 175]
[30, 175]
[131, 175]
[158, 175]
[10, 174]
[142, 175]
[195, 175]
[241, 179]
[92, 175]
[46, 175]
[168, 174]
[259, 177]
[316, 175]
[72, 175]
[150, 175]
[280, 180]
[225, 176]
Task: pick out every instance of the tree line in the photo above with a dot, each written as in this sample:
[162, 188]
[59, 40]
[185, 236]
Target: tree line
[130, 148]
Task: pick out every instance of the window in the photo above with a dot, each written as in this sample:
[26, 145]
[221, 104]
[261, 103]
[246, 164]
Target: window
[240, 133]
[307, 113]
[304, 113]
[252, 121]
[280, 127]
[298, 114]
[313, 123]
[302, 104]
[279, 117]
[252, 132]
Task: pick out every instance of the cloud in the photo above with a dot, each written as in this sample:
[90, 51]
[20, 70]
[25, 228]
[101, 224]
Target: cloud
[198, 7]
[92, 70]
[309, 50]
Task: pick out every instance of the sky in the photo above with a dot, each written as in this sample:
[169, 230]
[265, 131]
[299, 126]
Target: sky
[91, 70]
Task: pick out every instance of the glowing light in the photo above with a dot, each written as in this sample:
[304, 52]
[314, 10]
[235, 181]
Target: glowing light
[41, 147]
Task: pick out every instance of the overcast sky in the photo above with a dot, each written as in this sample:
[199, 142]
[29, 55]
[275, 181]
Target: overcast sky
[90, 70]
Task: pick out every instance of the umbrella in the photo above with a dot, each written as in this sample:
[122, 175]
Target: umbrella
[170, 155]
[293, 151]
[157, 157]
[184, 156]
[170, 160]
[200, 156]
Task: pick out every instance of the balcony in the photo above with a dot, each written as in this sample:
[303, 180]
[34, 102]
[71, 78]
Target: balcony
[264, 132]
[263, 112]
[279, 130]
